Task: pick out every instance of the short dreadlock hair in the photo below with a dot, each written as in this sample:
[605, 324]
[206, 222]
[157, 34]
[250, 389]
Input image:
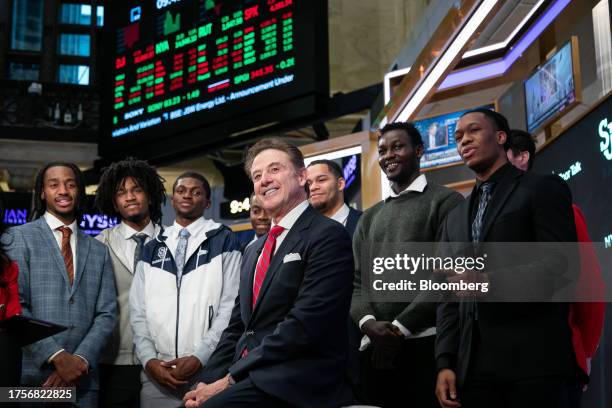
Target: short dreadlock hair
[143, 174]
[39, 206]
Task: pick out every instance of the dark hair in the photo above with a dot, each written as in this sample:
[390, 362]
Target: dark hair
[143, 174]
[408, 127]
[39, 206]
[331, 165]
[499, 121]
[295, 155]
[197, 176]
[521, 141]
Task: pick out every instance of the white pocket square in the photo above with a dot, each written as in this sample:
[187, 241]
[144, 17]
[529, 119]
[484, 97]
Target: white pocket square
[292, 257]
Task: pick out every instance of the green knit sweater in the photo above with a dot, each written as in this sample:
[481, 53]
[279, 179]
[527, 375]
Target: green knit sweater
[410, 217]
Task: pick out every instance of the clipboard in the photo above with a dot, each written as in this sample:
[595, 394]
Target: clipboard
[28, 330]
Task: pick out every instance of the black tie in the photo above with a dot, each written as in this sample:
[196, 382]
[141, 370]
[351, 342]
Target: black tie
[140, 240]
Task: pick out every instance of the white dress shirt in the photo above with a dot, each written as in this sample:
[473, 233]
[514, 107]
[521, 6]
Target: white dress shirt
[54, 223]
[341, 215]
[128, 247]
[172, 236]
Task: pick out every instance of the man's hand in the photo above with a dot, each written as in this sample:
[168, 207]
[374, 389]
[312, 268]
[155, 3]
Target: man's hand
[446, 390]
[162, 374]
[184, 367]
[69, 367]
[381, 331]
[203, 392]
[54, 380]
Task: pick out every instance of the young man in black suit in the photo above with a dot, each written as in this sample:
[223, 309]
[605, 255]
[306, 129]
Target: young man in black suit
[326, 186]
[286, 341]
[505, 354]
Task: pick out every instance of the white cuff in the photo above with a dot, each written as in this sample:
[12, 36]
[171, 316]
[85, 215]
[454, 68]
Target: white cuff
[50, 359]
[365, 319]
[403, 329]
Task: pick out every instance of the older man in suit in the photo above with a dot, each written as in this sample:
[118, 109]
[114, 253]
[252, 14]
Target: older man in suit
[286, 341]
[65, 277]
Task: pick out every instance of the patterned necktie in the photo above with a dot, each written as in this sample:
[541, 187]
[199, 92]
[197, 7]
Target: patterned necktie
[140, 240]
[181, 250]
[67, 252]
[485, 197]
[264, 261]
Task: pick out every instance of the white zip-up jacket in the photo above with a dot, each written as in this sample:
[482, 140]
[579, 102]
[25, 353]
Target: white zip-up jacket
[172, 318]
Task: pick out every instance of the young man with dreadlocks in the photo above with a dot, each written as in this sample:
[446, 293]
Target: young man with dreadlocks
[133, 191]
[65, 277]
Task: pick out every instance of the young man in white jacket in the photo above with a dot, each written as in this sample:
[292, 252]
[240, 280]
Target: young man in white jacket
[182, 295]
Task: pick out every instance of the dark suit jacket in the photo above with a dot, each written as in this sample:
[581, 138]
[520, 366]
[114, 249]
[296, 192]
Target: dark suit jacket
[88, 308]
[351, 221]
[297, 334]
[516, 340]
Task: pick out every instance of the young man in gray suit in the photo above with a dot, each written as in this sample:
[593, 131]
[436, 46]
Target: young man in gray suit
[132, 190]
[65, 277]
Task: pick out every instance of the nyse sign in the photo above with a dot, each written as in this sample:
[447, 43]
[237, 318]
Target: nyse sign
[91, 222]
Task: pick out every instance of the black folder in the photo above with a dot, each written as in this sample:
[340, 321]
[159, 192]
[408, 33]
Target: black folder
[28, 330]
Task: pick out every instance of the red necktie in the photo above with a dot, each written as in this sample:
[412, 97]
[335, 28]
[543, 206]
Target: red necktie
[67, 252]
[264, 260]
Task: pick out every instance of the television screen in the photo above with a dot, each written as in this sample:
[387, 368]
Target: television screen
[438, 138]
[550, 89]
[184, 65]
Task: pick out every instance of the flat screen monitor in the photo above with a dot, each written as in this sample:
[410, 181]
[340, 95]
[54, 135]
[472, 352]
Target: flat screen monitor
[438, 137]
[208, 70]
[551, 89]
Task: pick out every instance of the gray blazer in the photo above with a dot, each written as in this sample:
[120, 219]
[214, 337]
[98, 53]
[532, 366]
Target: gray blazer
[88, 308]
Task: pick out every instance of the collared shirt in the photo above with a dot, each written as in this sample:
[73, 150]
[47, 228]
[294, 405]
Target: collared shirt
[54, 223]
[418, 184]
[495, 179]
[341, 215]
[194, 229]
[288, 221]
[128, 247]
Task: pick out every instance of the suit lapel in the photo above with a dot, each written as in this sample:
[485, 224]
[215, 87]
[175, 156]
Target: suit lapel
[291, 240]
[82, 250]
[249, 267]
[465, 227]
[115, 241]
[500, 196]
[49, 238]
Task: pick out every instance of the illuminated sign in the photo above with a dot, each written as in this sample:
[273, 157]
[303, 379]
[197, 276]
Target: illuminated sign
[15, 216]
[605, 133]
[91, 223]
[237, 207]
[571, 172]
[608, 241]
[349, 170]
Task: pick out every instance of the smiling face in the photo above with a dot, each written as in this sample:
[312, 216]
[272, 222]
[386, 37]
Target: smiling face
[131, 201]
[279, 186]
[60, 192]
[479, 144]
[398, 158]
[189, 200]
[259, 217]
[325, 189]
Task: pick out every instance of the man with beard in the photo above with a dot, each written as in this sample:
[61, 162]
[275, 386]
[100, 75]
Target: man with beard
[132, 190]
[326, 186]
[398, 367]
[65, 277]
[182, 295]
[260, 221]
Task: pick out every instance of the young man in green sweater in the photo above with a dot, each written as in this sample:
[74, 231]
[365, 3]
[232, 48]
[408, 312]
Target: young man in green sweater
[397, 351]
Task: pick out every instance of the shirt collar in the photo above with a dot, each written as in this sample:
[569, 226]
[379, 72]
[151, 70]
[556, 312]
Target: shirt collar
[292, 216]
[128, 232]
[495, 177]
[418, 185]
[193, 228]
[341, 214]
[54, 223]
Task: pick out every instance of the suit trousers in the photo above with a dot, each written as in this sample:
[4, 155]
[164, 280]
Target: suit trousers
[244, 394]
[410, 384]
[120, 386]
[549, 392]
[10, 360]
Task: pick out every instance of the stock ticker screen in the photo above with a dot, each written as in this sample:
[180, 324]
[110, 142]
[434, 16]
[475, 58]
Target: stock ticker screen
[191, 63]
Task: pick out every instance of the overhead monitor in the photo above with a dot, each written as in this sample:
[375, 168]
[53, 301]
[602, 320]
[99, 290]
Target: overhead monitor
[194, 72]
[552, 88]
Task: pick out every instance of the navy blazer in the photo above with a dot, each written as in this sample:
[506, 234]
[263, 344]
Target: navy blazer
[296, 335]
[88, 308]
[352, 219]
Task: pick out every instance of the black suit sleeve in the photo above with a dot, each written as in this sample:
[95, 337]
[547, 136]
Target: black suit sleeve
[322, 302]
